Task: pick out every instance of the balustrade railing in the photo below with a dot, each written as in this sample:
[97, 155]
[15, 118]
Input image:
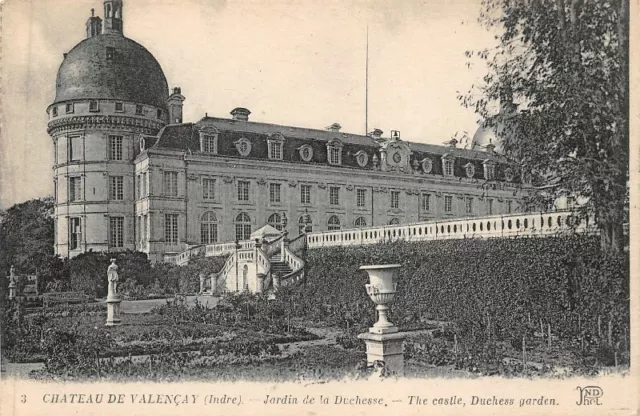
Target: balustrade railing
[525, 224]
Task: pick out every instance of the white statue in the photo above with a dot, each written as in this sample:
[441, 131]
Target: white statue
[203, 278]
[12, 275]
[112, 276]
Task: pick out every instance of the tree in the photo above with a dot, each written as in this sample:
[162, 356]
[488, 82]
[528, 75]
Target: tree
[560, 73]
[26, 235]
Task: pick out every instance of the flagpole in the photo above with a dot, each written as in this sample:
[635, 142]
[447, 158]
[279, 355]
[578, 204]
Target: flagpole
[366, 88]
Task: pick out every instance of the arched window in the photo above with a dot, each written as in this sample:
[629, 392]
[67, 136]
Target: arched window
[243, 226]
[209, 228]
[334, 223]
[394, 221]
[108, 12]
[304, 223]
[360, 222]
[275, 220]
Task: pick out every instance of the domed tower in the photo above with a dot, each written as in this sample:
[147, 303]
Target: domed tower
[109, 91]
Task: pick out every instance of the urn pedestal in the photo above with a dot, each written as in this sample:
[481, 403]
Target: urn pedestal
[383, 341]
[113, 311]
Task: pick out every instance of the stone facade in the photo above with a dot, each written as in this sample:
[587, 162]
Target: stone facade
[129, 174]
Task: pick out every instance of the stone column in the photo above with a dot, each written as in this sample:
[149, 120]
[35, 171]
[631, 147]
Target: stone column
[12, 283]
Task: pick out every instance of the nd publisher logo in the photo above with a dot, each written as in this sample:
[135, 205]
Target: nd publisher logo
[589, 395]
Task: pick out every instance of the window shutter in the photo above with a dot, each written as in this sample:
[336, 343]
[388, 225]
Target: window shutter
[128, 230]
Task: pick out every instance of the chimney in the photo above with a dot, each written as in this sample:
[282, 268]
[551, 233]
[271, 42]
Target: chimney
[375, 134]
[174, 103]
[240, 114]
[334, 127]
[94, 25]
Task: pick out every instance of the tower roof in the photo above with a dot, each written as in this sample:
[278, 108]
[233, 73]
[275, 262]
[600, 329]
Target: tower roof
[111, 66]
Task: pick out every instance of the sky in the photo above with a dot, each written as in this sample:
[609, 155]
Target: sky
[292, 62]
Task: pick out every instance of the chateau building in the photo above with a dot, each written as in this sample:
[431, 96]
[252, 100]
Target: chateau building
[130, 174]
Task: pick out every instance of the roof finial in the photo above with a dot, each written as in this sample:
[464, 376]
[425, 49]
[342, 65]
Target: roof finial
[93, 12]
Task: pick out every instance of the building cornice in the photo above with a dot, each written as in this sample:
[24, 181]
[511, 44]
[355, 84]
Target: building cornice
[135, 124]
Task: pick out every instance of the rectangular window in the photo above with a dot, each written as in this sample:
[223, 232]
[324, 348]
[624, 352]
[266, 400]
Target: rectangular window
[361, 197]
[145, 190]
[334, 195]
[75, 188]
[55, 111]
[208, 189]
[139, 109]
[448, 203]
[490, 206]
[469, 205]
[119, 107]
[448, 168]
[94, 105]
[139, 187]
[274, 193]
[395, 199]
[489, 172]
[75, 148]
[116, 188]
[334, 156]
[275, 151]
[243, 191]
[115, 147]
[75, 233]
[509, 207]
[170, 183]
[116, 231]
[69, 108]
[426, 202]
[209, 143]
[305, 194]
[171, 228]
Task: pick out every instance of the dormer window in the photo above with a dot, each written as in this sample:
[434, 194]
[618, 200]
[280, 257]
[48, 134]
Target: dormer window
[94, 105]
[362, 158]
[69, 108]
[209, 143]
[469, 170]
[447, 165]
[138, 109]
[244, 146]
[119, 107]
[209, 140]
[489, 170]
[54, 111]
[306, 153]
[508, 174]
[275, 143]
[334, 152]
[427, 165]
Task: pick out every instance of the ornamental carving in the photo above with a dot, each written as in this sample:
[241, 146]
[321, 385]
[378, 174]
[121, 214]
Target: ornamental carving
[427, 165]
[306, 153]
[439, 194]
[261, 182]
[227, 179]
[103, 121]
[322, 185]
[362, 158]
[192, 176]
[395, 156]
[243, 146]
[293, 184]
[508, 174]
[349, 187]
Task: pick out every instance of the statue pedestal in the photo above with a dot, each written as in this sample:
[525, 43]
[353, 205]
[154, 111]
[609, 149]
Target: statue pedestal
[12, 290]
[387, 347]
[113, 311]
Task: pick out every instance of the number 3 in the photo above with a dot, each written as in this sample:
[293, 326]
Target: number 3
[23, 398]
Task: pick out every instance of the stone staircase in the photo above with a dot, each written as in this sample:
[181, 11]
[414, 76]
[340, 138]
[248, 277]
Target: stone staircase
[278, 267]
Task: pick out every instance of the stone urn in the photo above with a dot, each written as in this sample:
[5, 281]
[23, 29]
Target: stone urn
[382, 291]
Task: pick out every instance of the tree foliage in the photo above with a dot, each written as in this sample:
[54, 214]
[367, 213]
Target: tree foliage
[26, 235]
[560, 74]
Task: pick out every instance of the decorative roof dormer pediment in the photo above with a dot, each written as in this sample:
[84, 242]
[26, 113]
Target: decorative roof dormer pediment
[395, 156]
